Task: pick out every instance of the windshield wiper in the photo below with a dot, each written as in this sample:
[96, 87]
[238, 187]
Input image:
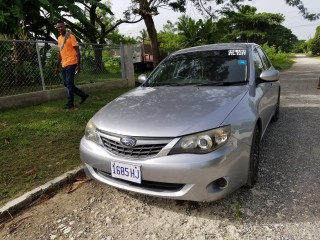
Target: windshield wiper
[174, 84]
[170, 84]
[222, 83]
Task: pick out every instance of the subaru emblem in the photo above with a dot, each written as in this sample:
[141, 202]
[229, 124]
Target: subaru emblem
[128, 142]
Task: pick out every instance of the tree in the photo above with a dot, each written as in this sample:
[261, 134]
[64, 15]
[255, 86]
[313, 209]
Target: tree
[243, 24]
[24, 18]
[169, 38]
[146, 9]
[299, 46]
[205, 6]
[90, 20]
[95, 22]
[314, 44]
[282, 37]
[304, 11]
[143, 36]
[197, 32]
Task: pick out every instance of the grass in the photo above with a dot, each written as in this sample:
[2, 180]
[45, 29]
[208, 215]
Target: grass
[85, 77]
[280, 60]
[282, 65]
[40, 142]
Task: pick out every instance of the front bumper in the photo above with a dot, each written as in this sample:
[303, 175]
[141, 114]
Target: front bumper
[180, 176]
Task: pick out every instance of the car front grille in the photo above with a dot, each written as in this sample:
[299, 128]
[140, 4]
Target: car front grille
[138, 151]
[150, 185]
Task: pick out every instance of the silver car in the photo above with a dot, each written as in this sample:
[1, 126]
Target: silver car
[192, 130]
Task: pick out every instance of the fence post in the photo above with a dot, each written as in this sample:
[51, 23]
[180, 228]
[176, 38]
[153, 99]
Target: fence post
[127, 64]
[40, 66]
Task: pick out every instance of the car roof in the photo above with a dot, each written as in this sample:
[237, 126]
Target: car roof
[219, 46]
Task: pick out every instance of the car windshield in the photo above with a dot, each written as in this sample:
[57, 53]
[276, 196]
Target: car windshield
[202, 68]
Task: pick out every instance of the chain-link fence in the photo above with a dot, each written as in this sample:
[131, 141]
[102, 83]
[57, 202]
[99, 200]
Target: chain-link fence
[28, 66]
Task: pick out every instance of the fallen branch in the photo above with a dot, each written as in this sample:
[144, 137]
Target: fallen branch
[75, 185]
[14, 226]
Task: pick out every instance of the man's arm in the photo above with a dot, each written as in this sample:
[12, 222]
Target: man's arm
[56, 70]
[76, 48]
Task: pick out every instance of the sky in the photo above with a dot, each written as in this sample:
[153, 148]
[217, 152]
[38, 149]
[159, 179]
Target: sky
[299, 26]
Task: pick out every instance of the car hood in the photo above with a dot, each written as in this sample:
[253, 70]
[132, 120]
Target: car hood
[168, 111]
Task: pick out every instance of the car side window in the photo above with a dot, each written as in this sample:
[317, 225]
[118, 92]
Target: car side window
[264, 58]
[258, 65]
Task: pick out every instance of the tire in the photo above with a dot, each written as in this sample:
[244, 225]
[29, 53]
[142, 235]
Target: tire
[254, 159]
[276, 115]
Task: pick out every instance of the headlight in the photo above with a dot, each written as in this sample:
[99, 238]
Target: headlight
[203, 142]
[91, 132]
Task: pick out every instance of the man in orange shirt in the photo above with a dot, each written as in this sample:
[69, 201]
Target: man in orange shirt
[69, 57]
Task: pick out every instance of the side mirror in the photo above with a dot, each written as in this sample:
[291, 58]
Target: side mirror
[270, 75]
[142, 78]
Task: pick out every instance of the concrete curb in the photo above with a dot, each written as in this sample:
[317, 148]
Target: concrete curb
[28, 99]
[26, 199]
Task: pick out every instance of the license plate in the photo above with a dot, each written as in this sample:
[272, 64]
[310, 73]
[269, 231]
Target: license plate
[126, 171]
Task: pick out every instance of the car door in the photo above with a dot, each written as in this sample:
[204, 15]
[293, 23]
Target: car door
[264, 90]
[274, 86]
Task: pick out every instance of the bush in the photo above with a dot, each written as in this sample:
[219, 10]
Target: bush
[113, 65]
[314, 46]
[280, 60]
[48, 72]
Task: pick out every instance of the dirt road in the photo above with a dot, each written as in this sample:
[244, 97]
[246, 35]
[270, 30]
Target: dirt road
[285, 204]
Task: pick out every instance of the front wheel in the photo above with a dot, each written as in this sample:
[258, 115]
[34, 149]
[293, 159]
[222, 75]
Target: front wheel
[254, 159]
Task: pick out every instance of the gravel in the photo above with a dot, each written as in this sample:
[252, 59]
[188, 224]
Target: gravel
[285, 204]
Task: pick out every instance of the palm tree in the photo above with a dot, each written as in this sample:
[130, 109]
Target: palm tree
[143, 35]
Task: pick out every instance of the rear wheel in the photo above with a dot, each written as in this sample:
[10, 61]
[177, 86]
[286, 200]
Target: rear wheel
[254, 159]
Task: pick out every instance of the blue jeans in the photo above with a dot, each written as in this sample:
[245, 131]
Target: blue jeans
[68, 81]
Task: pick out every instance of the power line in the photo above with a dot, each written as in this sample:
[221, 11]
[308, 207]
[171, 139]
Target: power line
[303, 25]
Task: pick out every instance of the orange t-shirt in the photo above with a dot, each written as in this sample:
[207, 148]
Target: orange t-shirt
[68, 53]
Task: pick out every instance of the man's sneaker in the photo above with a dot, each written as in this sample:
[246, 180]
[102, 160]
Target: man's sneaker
[83, 99]
[68, 106]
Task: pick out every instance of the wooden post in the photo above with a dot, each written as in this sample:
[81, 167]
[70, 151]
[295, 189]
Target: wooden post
[318, 84]
[127, 64]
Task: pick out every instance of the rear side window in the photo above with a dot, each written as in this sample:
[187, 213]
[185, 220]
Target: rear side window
[258, 65]
[264, 58]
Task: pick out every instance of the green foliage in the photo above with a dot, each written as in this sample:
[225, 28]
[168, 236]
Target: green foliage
[144, 36]
[117, 38]
[298, 47]
[37, 18]
[169, 39]
[112, 64]
[28, 73]
[6, 63]
[314, 43]
[49, 68]
[245, 25]
[280, 60]
[10, 12]
[19, 66]
[305, 46]
[238, 24]
[314, 46]
[197, 32]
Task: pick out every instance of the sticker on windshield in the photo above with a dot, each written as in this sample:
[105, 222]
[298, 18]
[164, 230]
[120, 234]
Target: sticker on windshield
[237, 52]
[242, 62]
